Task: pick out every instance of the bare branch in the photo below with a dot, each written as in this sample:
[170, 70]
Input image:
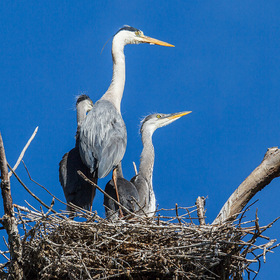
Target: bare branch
[23, 151]
[30, 192]
[256, 181]
[5, 181]
[9, 221]
[135, 168]
[200, 203]
[100, 249]
[93, 184]
[177, 215]
[41, 185]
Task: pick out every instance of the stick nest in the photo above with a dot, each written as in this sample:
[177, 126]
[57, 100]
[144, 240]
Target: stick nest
[56, 247]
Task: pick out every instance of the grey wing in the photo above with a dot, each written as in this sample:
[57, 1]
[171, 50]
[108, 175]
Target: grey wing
[75, 189]
[103, 138]
[114, 147]
[143, 190]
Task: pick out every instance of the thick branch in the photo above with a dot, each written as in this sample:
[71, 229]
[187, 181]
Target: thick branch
[256, 181]
[5, 182]
[200, 203]
[9, 222]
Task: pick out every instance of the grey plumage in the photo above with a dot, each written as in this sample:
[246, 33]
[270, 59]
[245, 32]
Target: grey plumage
[141, 185]
[143, 181]
[75, 189]
[104, 150]
[103, 137]
[127, 193]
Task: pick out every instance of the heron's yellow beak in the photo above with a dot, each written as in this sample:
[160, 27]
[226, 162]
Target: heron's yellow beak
[152, 41]
[178, 115]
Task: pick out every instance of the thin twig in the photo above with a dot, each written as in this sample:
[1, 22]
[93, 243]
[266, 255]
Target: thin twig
[31, 193]
[135, 168]
[177, 216]
[23, 151]
[96, 186]
[42, 185]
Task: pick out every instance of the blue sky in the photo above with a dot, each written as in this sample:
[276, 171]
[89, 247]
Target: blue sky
[224, 68]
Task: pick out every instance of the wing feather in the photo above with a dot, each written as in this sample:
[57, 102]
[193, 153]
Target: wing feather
[76, 190]
[103, 138]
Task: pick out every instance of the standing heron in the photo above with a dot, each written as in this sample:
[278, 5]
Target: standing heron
[143, 182]
[75, 189]
[103, 137]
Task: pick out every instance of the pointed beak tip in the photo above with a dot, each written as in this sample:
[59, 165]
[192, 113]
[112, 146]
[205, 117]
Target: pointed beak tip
[185, 113]
[167, 45]
[153, 41]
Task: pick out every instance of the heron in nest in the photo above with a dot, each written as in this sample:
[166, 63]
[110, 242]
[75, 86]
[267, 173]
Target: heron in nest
[138, 194]
[103, 137]
[76, 190]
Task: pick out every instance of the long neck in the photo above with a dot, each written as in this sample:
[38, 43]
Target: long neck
[115, 91]
[119, 170]
[81, 114]
[147, 158]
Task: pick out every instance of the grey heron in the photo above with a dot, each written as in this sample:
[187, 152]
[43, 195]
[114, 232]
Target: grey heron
[75, 189]
[142, 182]
[103, 137]
[128, 196]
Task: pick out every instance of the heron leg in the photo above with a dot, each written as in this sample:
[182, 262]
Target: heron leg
[91, 200]
[94, 179]
[114, 177]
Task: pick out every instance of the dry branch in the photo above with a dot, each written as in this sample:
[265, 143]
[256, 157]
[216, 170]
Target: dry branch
[23, 151]
[135, 168]
[54, 248]
[80, 173]
[256, 181]
[200, 203]
[9, 221]
[29, 191]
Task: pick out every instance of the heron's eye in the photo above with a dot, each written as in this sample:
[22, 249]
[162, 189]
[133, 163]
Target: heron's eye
[158, 116]
[139, 33]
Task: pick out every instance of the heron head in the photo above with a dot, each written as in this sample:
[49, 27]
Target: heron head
[84, 103]
[131, 35]
[154, 121]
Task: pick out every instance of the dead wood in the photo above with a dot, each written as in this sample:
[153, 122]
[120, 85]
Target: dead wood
[8, 220]
[23, 151]
[163, 247]
[256, 181]
[147, 248]
[200, 203]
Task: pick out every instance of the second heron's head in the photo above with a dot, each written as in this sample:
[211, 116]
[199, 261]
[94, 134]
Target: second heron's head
[130, 35]
[154, 121]
[84, 103]
[83, 106]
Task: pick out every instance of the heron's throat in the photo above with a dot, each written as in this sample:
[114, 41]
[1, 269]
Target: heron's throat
[115, 91]
[81, 114]
[147, 159]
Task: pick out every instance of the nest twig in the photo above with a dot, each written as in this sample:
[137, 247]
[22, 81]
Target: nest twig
[164, 247]
[149, 248]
